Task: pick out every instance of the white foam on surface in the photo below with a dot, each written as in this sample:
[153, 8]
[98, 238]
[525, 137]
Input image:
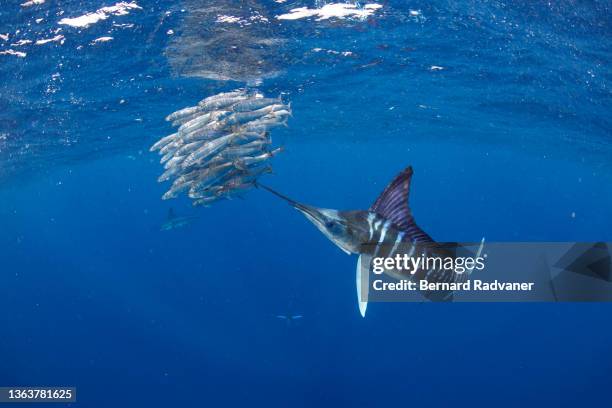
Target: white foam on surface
[333, 10]
[21, 42]
[58, 38]
[13, 52]
[334, 52]
[120, 9]
[227, 19]
[31, 3]
[102, 39]
[254, 18]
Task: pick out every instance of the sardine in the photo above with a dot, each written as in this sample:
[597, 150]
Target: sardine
[240, 180]
[177, 187]
[208, 149]
[163, 142]
[169, 173]
[202, 120]
[206, 201]
[207, 132]
[241, 118]
[166, 157]
[181, 121]
[171, 147]
[223, 95]
[183, 113]
[175, 161]
[210, 191]
[252, 161]
[254, 174]
[248, 137]
[221, 102]
[189, 147]
[254, 147]
[254, 104]
[265, 123]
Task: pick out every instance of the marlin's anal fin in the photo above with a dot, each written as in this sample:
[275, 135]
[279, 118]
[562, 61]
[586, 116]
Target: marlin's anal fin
[362, 282]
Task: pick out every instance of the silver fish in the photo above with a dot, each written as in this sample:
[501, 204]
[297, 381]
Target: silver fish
[166, 157]
[233, 187]
[208, 132]
[221, 102]
[183, 113]
[239, 179]
[169, 173]
[187, 178]
[244, 150]
[206, 201]
[202, 120]
[283, 112]
[254, 104]
[266, 122]
[251, 161]
[210, 191]
[175, 161]
[248, 137]
[253, 174]
[223, 95]
[208, 149]
[163, 142]
[171, 147]
[175, 189]
[189, 147]
[240, 118]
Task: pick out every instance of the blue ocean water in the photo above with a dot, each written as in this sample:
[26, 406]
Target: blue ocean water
[502, 108]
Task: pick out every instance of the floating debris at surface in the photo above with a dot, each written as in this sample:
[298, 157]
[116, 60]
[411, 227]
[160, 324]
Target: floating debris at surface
[222, 145]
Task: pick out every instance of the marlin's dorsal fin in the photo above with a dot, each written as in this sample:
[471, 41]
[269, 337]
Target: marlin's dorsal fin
[392, 204]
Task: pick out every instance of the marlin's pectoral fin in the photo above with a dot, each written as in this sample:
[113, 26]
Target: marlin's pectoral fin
[361, 281]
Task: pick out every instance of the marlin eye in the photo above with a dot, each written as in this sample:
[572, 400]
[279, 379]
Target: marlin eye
[330, 224]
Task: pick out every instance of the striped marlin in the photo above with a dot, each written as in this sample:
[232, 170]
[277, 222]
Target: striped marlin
[386, 229]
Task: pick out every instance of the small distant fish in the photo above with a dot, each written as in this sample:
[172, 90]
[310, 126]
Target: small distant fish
[289, 319]
[172, 221]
